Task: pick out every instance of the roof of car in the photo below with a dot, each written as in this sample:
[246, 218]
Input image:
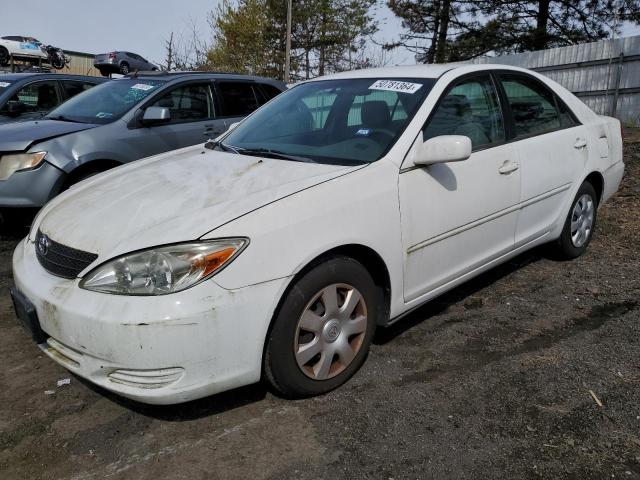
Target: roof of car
[412, 71]
[14, 77]
[187, 74]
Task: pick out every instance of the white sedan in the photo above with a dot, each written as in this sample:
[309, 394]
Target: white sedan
[21, 48]
[338, 207]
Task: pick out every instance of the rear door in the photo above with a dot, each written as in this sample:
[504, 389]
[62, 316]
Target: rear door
[552, 151]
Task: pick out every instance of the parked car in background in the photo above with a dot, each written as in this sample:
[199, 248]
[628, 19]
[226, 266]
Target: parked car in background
[27, 96]
[21, 48]
[122, 62]
[341, 205]
[117, 122]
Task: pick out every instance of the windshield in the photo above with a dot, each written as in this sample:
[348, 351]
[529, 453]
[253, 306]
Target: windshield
[106, 102]
[333, 121]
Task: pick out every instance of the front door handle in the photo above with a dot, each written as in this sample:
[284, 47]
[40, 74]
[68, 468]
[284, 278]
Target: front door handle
[580, 143]
[508, 167]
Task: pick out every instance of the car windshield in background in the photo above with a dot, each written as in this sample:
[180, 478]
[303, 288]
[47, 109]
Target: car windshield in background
[106, 102]
[332, 121]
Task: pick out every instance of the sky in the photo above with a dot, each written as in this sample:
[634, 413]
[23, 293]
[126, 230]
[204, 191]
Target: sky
[141, 26]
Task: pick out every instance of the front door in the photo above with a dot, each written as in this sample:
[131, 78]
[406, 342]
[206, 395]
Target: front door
[457, 216]
[193, 121]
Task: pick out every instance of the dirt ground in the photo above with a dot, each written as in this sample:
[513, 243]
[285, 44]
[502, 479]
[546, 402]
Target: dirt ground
[493, 380]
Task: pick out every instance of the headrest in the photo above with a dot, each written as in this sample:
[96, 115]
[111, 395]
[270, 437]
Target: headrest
[375, 113]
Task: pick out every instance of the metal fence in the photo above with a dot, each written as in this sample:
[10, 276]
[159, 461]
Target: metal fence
[605, 74]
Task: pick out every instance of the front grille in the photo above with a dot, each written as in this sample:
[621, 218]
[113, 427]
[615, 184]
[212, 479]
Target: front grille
[59, 259]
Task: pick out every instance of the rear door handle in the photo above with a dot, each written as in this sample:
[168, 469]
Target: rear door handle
[580, 143]
[508, 167]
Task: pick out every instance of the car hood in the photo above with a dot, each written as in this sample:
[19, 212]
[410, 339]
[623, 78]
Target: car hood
[174, 197]
[18, 136]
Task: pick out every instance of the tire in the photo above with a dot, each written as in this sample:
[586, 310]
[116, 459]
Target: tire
[4, 56]
[340, 340]
[580, 223]
[104, 73]
[124, 68]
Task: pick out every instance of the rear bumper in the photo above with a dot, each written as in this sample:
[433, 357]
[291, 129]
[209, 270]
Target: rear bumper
[31, 188]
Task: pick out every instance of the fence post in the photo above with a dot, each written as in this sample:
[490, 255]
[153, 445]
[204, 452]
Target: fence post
[616, 84]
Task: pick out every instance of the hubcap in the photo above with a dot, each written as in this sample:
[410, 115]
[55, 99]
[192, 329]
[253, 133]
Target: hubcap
[582, 220]
[330, 331]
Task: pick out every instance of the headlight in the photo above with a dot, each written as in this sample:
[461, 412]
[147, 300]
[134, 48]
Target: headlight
[9, 164]
[163, 270]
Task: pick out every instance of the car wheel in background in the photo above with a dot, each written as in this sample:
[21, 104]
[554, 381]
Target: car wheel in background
[4, 56]
[580, 223]
[323, 329]
[104, 73]
[124, 68]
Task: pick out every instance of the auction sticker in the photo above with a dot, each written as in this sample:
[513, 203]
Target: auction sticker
[396, 86]
[4, 84]
[142, 86]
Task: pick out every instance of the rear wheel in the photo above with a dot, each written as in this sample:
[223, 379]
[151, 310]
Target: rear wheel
[104, 73]
[323, 329]
[124, 68]
[580, 223]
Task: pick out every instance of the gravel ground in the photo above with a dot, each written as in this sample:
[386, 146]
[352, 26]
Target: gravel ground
[498, 378]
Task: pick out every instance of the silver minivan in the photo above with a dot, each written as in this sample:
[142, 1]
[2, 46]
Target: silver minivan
[117, 122]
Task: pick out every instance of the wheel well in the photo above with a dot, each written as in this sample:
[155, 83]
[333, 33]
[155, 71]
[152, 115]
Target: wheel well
[95, 166]
[369, 259]
[597, 182]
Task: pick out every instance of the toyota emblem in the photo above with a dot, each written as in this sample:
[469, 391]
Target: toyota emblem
[43, 245]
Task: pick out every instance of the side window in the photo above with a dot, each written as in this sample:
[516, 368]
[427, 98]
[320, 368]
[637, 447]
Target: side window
[38, 96]
[269, 90]
[72, 88]
[376, 101]
[238, 98]
[471, 108]
[567, 119]
[189, 103]
[533, 105]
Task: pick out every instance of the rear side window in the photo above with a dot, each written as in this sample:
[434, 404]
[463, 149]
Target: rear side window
[189, 103]
[238, 98]
[533, 106]
[269, 90]
[469, 108]
[73, 88]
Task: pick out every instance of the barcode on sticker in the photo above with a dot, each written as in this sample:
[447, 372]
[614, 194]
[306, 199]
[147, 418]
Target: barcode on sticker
[395, 86]
[142, 86]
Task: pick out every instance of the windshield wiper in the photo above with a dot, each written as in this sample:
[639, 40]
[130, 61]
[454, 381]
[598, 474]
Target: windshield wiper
[268, 153]
[62, 118]
[213, 144]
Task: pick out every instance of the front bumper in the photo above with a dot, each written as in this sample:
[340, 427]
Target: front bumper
[31, 188]
[161, 350]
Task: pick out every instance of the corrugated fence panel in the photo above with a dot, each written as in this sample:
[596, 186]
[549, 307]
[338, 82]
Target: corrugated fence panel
[593, 71]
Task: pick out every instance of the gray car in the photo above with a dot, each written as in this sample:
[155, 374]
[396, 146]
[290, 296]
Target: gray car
[122, 62]
[117, 122]
[27, 96]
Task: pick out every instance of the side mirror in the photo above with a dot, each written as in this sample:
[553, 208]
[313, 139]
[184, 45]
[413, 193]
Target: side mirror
[156, 116]
[441, 149]
[15, 108]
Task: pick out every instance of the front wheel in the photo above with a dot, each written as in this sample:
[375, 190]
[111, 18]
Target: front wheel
[580, 223]
[323, 329]
[124, 68]
[4, 56]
